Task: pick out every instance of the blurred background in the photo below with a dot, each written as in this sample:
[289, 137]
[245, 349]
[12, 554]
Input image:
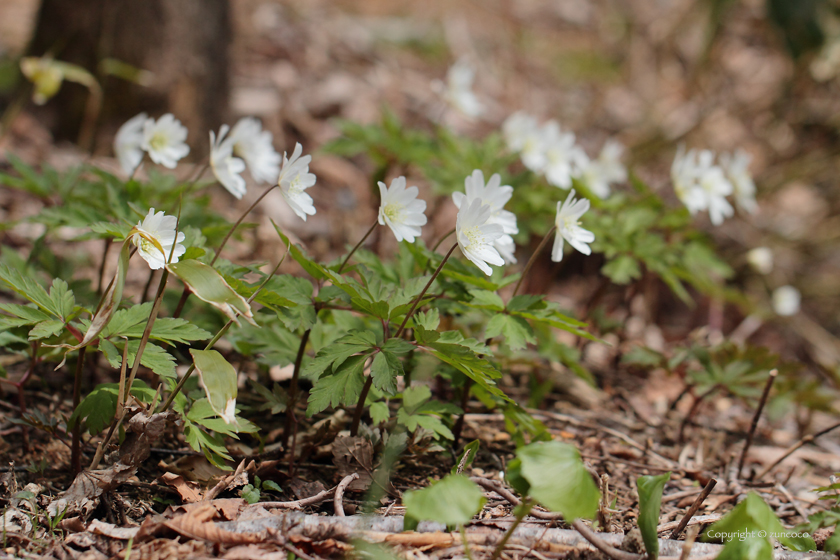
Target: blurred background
[761, 75]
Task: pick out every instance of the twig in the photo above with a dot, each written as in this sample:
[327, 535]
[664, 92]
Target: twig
[339, 493]
[693, 509]
[696, 520]
[793, 502]
[298, 504]
[496, 487]
[520, 515]
[596, 541]
[793, 448]
[770, 379]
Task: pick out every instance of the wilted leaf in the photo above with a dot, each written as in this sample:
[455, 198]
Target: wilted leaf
[209, 286]
[218, 379]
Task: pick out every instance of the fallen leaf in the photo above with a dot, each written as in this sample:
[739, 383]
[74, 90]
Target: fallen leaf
[109, 530]
[196, 525]
[354, 455]
[189, 491]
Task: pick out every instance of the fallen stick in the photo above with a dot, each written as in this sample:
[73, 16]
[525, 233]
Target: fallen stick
[694, 507]
[338, 505]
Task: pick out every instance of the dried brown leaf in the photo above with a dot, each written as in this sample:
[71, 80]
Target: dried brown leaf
[189, 491]
[196, 525]
[354, 455]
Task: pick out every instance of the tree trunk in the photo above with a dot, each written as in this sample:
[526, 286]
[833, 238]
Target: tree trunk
[183, 43]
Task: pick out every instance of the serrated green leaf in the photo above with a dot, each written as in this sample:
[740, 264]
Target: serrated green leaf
[62, 299]
[335, 354]
[379, 413]
[46, 329]
[342, 387]
[28, 288]
[385, 369]
[622, 269]
[98, 408]
[108, 229]
[24, 315]
[517, 332]
[525, 301]
[485, 299]
[154, 357]
[650, 500]
[467, 362]
[453, 500]
[428, 320]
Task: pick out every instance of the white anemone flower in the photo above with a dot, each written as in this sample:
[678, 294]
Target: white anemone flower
[567, 222]
[226, 168]
[522, 134]
[165, 140]
[476, 237]
[401, 210]
[599, 174]
[127, 143]
[161, 228]
[563, 158]
[684, 173]
[496, 195]
[256, 147]
[458, 93]
[715, 187]
[294, 179]
[786, 301]
[736, 166]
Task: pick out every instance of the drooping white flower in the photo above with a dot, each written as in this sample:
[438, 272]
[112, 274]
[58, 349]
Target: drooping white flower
[563, 158]
[715, 187]
[401, 210]
[226, 168]
[599, 174]
[127, 143]
[255, 146]
[496, 195]
[165, 140]
[476, 236]
[160, 228]
[684, 174]
[761, 259]
[294, 179]
[736, 166]
[568, 227]
[459, 92]
[522, 134]
[786, 300]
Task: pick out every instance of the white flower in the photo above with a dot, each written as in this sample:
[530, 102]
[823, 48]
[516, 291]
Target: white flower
[521, 131]
[563, 158]
[761, 259]
[294, 179]
[476, 237]
[786, 301]
[715, 186]
[567, 222]
[255, 146]
[225, 167]
[496, 196]
[400, 209]
[736, 166]
[506, 247]
[165, 140]
[684, 178]
[598, 174]
[160, 228]
[127, 143]
[459, 92]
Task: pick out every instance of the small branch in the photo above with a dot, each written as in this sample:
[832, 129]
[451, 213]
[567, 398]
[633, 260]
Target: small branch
[689, 542]
[359, 244]
[770, 379]
[298, 504]
[693, 509]
[596, 541]
[533, 259]
[338, 505]
[793, 448]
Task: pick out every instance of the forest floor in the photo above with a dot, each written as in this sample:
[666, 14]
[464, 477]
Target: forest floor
[653, 75]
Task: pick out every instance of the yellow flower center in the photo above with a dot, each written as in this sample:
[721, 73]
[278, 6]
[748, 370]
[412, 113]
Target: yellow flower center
[158, 141]
[569, 222]
[393, 212]
[474, 236]
[296, 186]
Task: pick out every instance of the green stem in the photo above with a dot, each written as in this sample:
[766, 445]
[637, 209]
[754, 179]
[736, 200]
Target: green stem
[359, 244]
[423, 293]
[76, 449]
[360, 407]
[521, 512]
[147, 332]
[291, 420]
[532, 260]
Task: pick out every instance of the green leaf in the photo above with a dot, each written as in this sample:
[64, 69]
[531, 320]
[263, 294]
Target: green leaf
[650, 500]
[62, 299]
[467, 457]
[622, 269]
[46, 329]
[467, 362]
[98, 408]
[110, 299]
[108, 229]
[335, 354]
[209, 286]
[413, 397]
[385, 369]
[516, 330]
[28, 288]
[484, 299]
[428, 320]
[558, 480]
[379, 412]
[23, 315]
[342, 387]
[454, 500]
[218, 379]
[154, 357]
[752, 514]
[750, 548]
[250, 494]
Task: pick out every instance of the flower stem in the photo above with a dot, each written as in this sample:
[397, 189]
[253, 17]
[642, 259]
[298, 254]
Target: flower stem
[291, 419]
[360, 406]
[76, 449]
[423, 293]
[359, 244]
[146, 332]
[533, 259]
